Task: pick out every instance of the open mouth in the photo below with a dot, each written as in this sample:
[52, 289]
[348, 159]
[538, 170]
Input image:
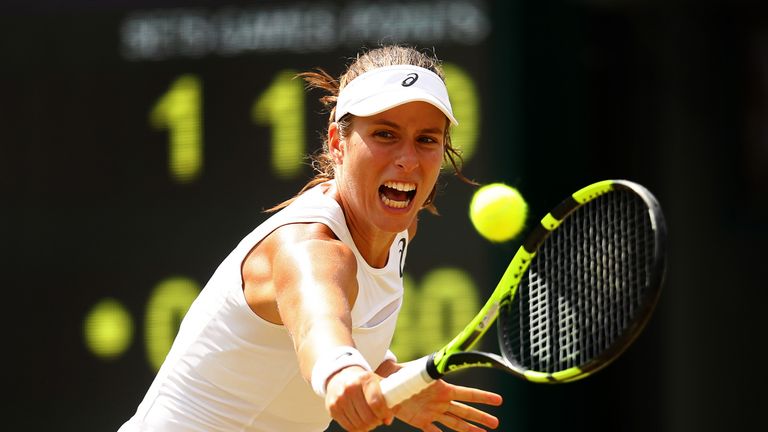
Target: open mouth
[397, 194]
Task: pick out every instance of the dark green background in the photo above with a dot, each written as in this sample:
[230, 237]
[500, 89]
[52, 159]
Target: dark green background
[671, 94]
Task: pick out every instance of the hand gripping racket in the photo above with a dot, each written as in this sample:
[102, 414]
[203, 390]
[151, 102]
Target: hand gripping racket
[575, 295]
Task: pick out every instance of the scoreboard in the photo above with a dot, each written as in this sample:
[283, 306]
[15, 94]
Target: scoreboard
[140, 140]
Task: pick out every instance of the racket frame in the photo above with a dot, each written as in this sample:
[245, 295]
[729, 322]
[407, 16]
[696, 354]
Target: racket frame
[457, 354]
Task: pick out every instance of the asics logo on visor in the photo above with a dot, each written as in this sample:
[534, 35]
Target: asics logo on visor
[410, 79]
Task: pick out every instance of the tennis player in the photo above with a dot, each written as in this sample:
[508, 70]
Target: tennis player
[293, 329]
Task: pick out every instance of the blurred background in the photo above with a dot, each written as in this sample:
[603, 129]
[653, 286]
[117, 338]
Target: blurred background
[141, 140]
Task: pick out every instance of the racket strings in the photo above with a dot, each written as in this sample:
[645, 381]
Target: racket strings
[584, 287]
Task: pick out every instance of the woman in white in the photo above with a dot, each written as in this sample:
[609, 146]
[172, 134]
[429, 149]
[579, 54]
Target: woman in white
[293, 328]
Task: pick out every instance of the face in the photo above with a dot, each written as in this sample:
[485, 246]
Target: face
[389, 164]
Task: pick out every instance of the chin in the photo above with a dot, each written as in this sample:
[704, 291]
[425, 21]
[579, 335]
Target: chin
[395, 223]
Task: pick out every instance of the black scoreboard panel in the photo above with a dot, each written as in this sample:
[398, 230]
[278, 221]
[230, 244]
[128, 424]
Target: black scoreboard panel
[140, 144]
[141, 140]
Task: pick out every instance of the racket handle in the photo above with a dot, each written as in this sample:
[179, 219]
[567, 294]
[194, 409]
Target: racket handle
[406, 382]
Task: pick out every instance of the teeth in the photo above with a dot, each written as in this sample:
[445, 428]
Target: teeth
[395, 204]
[400, 186]
[403, 187]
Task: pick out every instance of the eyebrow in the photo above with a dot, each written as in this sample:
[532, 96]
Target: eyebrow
[396, 126]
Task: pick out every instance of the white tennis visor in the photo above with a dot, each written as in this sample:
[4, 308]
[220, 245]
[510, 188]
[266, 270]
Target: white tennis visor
[386, 87]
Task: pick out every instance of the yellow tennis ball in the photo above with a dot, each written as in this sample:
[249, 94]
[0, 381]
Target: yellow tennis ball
[498, 212]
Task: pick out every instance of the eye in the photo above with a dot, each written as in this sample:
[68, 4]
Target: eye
[426, 139]
[384, 134]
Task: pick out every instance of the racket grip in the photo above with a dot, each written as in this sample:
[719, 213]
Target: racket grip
[406, 382]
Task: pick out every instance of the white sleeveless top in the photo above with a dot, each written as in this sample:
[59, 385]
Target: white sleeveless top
[230, 370]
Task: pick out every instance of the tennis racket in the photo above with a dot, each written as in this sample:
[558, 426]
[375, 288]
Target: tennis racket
[577, 293]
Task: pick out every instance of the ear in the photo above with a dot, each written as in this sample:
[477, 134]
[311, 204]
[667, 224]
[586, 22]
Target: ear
[336, 144]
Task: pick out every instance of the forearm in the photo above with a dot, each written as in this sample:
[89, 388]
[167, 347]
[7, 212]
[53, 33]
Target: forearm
[315, 337]
[314, 298]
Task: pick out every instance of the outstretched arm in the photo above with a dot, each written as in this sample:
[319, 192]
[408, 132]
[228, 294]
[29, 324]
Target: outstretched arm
[313, 279]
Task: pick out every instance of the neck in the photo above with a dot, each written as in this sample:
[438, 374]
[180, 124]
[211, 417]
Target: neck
[372, 242]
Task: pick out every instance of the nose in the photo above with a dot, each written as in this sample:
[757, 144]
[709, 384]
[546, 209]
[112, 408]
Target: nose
[407, 158]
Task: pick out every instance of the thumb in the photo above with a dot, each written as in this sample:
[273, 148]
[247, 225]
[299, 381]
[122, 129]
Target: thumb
[376, 400]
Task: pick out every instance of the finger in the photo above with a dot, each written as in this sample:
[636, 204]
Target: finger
[431, 428]
[357, 422]
[473, 395]
[473, 414]
[458, 424]
[366, 418]
[343, 421]
[349, 400]
[347, 415]
[377, 402]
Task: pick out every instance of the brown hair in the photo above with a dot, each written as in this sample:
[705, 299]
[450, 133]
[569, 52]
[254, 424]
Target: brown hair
[390, 55]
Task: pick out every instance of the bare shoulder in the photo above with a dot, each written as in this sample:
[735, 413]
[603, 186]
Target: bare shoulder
[292, 255]
[308, 243]
[312, 243]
